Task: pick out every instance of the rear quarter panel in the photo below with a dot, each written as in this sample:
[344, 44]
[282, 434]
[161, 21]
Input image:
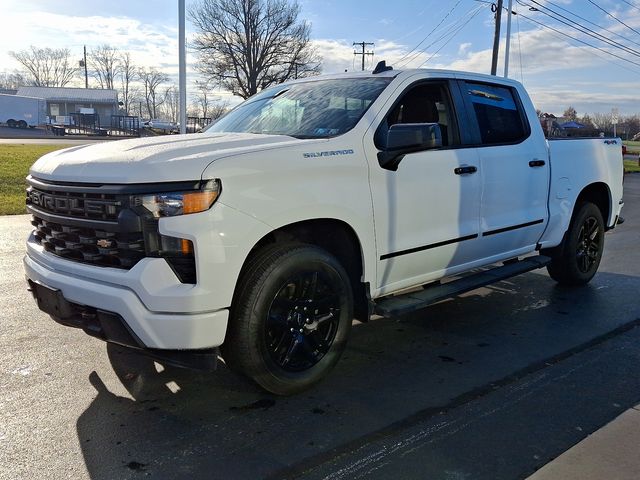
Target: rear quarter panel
[576, 164]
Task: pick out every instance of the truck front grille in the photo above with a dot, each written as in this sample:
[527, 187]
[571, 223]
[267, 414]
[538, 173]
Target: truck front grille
[88, 245]
[94, 206]
[104, 225]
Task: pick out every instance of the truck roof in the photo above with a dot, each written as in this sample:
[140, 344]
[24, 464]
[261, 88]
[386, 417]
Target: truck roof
[413, 71]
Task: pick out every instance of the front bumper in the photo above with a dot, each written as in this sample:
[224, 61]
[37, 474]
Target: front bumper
[153, 330]
[111, 327]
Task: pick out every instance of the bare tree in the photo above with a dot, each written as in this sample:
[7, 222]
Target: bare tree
[138, 104]
[46, 67]
[12, 81]
[586, 121]
[105, 65]
[203, 98]
[206, 105]
[171, 103]
[218, 109]
[570, 114]
[151, 80]
[128, 73]
[247, 45]
[602, 121]
[631, 125]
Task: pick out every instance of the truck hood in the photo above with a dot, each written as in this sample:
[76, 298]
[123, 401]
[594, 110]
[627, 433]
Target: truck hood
[146, 160]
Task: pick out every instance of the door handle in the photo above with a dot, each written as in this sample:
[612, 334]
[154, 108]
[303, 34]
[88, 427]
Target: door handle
[537, 163]
[465, 170]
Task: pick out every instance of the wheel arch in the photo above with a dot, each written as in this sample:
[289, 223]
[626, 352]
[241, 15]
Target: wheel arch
[599, 194]
[336, 237]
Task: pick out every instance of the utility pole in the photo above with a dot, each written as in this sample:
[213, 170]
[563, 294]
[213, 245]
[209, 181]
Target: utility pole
[363, 45]
[84, 64]
[295, 69]
[508, 44]
[496, 39]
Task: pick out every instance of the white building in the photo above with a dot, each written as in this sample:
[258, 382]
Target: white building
[65, 101]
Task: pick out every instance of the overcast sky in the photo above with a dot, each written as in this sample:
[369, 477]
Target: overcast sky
[457, 34]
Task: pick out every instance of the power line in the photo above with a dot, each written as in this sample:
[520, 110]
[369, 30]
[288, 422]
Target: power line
[561, 35]
[415, 30]
[429, 34]
[612, 16]
[582, 29]
[631, 4]
[473, 15]
[579, 40]
[592, 23]
[449, 28]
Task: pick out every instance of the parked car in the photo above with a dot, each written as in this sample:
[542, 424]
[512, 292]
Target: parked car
[162, 125]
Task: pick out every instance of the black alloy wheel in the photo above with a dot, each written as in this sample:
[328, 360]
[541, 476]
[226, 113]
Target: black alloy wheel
[302, 321]
[589, 240]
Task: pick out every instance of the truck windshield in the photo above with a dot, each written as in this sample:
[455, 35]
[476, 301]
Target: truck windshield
[314, 109]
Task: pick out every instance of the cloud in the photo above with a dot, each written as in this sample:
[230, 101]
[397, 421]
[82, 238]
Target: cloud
[464, 47]
[338, 55]
[150, 45]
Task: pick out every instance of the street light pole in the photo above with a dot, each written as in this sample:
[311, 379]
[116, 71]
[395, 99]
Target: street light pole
[182, 68]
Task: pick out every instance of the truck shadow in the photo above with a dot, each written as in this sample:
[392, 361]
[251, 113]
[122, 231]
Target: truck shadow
[177, 423]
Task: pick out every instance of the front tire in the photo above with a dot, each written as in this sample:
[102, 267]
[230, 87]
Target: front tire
[290, 319]
[578, 259]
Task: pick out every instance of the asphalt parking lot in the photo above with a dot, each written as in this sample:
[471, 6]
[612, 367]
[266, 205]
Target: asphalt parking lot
[491, 385]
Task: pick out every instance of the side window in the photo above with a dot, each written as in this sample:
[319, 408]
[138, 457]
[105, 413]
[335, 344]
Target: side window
[425, 103]
[496, 110]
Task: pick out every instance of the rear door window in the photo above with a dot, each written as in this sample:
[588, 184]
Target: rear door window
[498, 113]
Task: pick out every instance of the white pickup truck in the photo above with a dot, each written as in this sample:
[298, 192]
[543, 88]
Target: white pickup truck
[313, 203]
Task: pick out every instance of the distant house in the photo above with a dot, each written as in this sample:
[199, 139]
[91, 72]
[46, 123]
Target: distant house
[65, 101]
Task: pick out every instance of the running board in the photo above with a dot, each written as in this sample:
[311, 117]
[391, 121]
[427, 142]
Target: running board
[410, 302]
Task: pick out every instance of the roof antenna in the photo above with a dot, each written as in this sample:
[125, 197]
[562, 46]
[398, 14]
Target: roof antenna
[382, 67]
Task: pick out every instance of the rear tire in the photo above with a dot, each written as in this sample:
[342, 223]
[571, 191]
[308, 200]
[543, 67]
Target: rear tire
[578, 259]
[290, 319]
[22, 124]
[11, 123]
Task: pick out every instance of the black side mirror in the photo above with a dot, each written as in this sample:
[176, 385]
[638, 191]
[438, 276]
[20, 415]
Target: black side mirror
[404, 138]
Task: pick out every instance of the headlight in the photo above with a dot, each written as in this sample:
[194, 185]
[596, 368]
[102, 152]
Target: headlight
[170, 204]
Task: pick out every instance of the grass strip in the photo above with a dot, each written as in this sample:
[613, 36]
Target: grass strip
[15, 160]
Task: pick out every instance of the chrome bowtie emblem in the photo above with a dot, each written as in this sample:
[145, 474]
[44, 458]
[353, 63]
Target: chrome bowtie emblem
[104, 243]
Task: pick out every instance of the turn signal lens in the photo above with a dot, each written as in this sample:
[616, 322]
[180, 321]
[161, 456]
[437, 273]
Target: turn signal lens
[198, 201]
[187, 247]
